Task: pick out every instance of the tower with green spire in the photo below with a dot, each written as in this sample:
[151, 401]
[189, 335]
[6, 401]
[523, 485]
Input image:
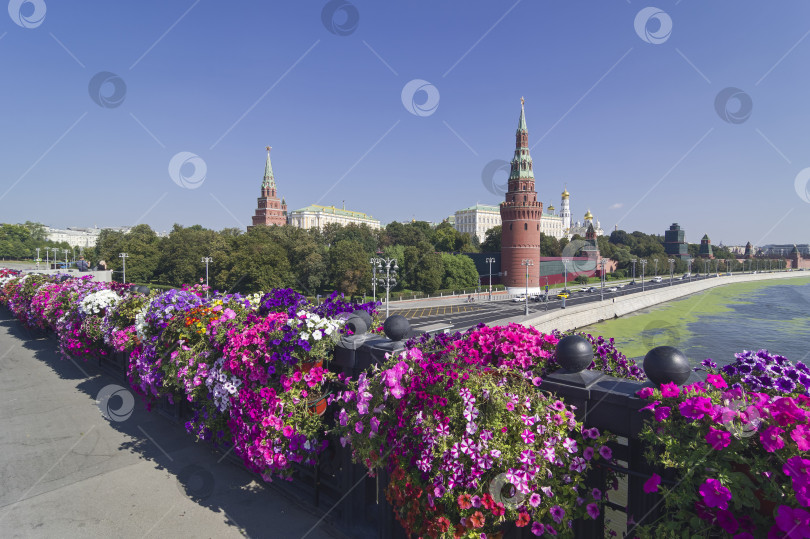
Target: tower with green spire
[270, 210]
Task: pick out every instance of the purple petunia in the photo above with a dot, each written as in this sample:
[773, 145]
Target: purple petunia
[557, 513]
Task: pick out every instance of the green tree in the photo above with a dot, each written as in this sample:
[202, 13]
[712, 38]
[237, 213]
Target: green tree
[259, 264]
[429, 272]
[349, 268]
[459, 272]
[492, 241]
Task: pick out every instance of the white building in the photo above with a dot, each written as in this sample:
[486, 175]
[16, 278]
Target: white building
[79, 237]
[476, 220]
[581, 228]
[315, 216]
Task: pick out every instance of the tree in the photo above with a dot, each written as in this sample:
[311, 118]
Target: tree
[459, 272]
[181, 255]
[349, 268]
[549, 246]
[141, 246]
[492, 240]
[429, 273]
[259, 264]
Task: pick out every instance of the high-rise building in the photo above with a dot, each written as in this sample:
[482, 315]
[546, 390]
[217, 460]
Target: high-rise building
[675, 242]
[270, 210]
[520, 218]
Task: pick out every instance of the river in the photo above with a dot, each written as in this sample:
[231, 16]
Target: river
[717, 323]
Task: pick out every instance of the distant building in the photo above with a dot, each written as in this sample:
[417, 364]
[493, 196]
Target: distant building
[675, 242]
[553, 225]
[581, 228]
[79, 237]
[270, 211]
[705, 250]
[315, 216]
[785, 249]
[476, 220]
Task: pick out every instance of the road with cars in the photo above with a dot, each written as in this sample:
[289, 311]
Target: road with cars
[464, 315]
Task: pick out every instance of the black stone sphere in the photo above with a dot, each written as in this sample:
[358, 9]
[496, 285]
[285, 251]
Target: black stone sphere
[364, 315]
[574, 353]
[133, 288]
[396, 327]
[356, 324]
[664, 364]
[143, 290]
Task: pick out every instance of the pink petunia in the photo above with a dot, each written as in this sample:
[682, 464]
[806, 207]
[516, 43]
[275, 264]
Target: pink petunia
[715, 494]
[669, 390]
[651, 485]
[801, 435]
[662, 413]
[771, 439]
[716, 380]
[644, 393]
[718, 439]
[794, 522]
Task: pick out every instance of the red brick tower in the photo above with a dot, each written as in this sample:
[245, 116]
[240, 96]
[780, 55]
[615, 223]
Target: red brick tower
[270, 210]
[520, 216]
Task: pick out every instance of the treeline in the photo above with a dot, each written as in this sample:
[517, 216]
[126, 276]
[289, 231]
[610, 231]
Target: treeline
[20, 242]
[310, 261]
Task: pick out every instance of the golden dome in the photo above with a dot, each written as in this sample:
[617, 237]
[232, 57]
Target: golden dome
[566, 194]
[588, 215]
[550, 207]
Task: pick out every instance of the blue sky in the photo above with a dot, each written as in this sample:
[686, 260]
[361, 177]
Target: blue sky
[627, 119]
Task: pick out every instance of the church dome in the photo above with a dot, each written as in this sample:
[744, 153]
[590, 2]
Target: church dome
[566, 194]
[588, 215]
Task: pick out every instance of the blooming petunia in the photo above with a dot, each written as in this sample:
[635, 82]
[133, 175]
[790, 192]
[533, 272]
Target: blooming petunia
[715, 494]
[651, 485]
[662, 413]
[716, 380]
[718, 439]
[669, 390]
[538, 529]
[593, 510]
[644, 393]
[606, 452]
[771, 439]
[557, 513]
[794, 522]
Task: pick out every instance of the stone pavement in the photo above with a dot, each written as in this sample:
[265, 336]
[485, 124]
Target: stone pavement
[67, 471]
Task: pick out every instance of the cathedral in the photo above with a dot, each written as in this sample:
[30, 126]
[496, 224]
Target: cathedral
[559, 224]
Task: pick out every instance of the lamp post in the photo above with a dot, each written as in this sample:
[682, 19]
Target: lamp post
[374, 262]
[671, 269]
[490, 261]
[55, 254]
[527, 262]
[37, 258]
[602, 278]
[565, 274]
[643, 267]
[634, 269]
[66, 259]
[47, 259]
[390, 278]
[656, 267]
[123, 256]
[206, 260]
[689, 271]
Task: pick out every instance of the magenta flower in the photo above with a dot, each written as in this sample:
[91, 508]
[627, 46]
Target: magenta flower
[801, 435]
[644, 393]
[651, 406]
[534, 499]
[538, 529]
[651, 485]
[715, 494]
[695, 407]
[726, 520]
[358, 427]
[557, 513]
[588, 453]
[718, 439]
[770, 438]
[593, 510]
[662, 413]
[596, 493]
[528, 436]
[716, 380]
[794, 522]
[669, 390]
[606, 452]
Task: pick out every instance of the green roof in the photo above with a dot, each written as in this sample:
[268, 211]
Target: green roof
[482, 207]
[332, 210]
[269, 180]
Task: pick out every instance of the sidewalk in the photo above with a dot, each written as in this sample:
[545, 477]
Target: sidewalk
[67, 471]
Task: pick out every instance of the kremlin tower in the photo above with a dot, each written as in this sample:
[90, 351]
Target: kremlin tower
[520, 219]
[269, 211]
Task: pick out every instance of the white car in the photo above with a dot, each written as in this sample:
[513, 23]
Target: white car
[656, 279]
[613, 289]
[520, 299]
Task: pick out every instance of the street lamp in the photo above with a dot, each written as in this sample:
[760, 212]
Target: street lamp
[38, 258]
[206, 260]
[47, 259]
[66, 259]
[123, 256]
[374, 262]
[602, 278]
[490, 261]
[527, 262]
[689, 271]
[643, 267]
[55, 254]
[656, 267]
[565, 274]
[671, 269]
[634, 269]
[390, 278]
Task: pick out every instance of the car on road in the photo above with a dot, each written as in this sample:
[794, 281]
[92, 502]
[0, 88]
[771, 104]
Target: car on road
[613, 289]
[563, 294]
[656, 279]
[520, 299]
[632, 283]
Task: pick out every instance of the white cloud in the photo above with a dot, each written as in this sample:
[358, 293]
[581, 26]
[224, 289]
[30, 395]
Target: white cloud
[616, 206]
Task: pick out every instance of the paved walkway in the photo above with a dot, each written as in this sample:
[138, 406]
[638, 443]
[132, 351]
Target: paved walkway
[66, 471]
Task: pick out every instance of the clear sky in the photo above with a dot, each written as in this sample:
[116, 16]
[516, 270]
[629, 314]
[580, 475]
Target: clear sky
[621, 107]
